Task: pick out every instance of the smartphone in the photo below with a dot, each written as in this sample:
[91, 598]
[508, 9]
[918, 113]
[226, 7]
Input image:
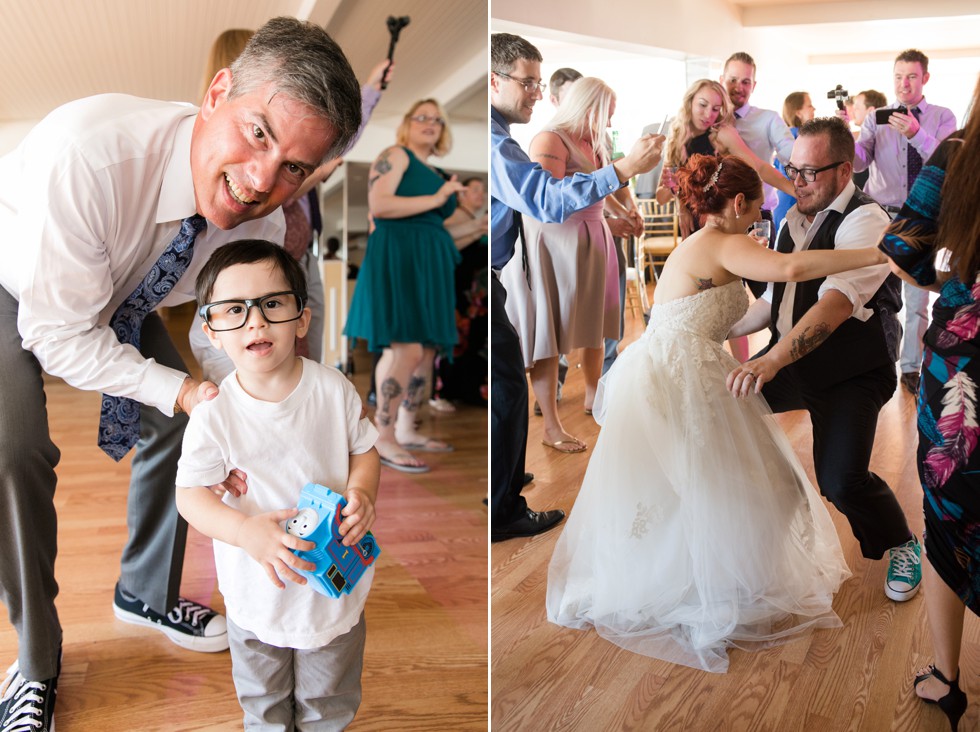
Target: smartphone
[882, 115]
[664, 126]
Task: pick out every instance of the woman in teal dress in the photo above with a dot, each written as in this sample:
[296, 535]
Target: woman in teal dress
[405, 298]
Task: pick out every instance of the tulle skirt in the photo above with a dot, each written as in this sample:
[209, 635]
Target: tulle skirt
[696, 528]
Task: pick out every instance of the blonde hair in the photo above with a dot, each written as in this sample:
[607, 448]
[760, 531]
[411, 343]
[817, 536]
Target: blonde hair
[445, 142]
[225, 49]
[584, 113]
[682, 129]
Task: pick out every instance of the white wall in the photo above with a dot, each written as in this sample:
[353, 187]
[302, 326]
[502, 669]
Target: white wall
[11, 133]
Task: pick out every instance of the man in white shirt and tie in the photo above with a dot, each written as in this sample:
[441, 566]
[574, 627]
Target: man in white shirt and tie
[89, 202]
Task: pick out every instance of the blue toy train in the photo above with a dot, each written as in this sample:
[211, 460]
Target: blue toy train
[338, 567]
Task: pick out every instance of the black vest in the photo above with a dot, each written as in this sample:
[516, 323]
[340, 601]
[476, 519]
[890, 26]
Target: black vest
[855, 347]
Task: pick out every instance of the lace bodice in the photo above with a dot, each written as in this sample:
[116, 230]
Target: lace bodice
[710, 314]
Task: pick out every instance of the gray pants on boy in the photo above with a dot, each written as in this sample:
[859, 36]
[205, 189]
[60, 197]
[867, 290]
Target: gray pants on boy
[285, 689]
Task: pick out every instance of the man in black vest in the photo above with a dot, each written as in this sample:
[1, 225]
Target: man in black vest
[834, 345]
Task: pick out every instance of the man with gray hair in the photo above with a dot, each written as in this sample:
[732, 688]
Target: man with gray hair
[111, 205]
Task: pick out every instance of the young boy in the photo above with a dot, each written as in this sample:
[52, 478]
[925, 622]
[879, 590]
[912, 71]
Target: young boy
[284, 421]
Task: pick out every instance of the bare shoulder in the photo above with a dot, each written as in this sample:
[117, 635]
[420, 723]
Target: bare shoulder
[549, 142]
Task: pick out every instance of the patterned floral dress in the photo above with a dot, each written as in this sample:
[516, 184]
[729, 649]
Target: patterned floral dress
[949, 463]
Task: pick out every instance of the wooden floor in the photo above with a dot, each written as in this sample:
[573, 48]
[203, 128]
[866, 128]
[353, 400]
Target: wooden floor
[545, 677]
[426, 659]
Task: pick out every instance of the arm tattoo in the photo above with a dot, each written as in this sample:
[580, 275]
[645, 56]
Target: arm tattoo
[381, 166]
[807, 341]
[704, 284]
[549, 155]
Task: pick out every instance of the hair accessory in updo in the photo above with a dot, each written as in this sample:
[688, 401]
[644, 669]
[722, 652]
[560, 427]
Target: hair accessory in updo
[714, 177]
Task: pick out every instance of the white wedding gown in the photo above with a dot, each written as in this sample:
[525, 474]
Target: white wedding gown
[696, 528]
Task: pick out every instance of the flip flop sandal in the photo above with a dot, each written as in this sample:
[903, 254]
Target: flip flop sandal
[557, 446]
[405, 468]
[427, 446]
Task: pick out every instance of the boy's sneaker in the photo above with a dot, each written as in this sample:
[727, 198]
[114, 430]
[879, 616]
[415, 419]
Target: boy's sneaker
[27, 706]
[189, 625]
[904, 571]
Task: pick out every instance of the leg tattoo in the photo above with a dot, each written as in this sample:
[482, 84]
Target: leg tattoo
[390, 391]
[413, 397]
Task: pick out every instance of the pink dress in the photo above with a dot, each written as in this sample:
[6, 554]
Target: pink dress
[573, 300]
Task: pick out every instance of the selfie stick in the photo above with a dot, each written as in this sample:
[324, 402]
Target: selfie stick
[395, 26]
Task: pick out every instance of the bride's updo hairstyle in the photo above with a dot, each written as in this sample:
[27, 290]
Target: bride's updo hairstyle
[707, 183]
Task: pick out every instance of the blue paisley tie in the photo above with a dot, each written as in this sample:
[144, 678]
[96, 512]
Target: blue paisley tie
[119, 427]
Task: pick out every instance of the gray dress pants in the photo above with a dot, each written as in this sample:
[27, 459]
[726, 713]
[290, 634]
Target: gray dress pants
[285, 689]
[153, 556]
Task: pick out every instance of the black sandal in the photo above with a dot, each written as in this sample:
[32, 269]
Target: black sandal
[953, 704]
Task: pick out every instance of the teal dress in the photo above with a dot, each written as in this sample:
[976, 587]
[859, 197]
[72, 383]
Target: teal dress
[405, 290]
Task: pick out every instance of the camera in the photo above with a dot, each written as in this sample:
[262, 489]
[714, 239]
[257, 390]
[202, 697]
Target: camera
[395, 25]
[839, 95]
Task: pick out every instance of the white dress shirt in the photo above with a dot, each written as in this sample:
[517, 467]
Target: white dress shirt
[861, 228]
[764, 133]
[88, 203]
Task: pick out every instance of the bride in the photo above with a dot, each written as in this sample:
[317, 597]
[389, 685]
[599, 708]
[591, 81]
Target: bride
[696, 528]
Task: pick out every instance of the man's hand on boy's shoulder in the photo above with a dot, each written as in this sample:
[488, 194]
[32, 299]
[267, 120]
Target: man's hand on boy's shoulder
[358, 516]
[236, 483]
[192, 393]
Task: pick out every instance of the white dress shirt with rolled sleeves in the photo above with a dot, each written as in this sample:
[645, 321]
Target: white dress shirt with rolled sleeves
[861, 228]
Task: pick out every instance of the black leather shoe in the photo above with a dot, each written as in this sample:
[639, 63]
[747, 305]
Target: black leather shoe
[528, 478]
[910, 380]
[532, 523]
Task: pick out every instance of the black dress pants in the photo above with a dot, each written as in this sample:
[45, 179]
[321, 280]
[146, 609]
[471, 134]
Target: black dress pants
[508, 413]
[845, 418]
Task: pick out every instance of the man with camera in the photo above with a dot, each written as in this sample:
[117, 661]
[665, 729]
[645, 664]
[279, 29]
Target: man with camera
[894, 144]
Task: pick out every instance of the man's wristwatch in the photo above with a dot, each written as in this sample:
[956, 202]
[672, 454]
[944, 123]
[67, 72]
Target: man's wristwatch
[177, 408]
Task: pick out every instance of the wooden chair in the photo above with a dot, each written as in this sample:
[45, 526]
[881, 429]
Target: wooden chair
[636, 286]
[660, 232]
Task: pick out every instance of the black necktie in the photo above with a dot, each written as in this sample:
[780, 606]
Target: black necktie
[914, 161]
[119, 426]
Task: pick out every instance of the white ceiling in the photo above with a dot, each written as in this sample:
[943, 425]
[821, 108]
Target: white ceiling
[53, 51]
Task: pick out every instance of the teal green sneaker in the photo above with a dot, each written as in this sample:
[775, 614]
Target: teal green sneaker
[904, 571]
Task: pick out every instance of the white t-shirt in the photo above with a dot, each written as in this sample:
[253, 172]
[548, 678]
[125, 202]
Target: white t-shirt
[281, 446]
